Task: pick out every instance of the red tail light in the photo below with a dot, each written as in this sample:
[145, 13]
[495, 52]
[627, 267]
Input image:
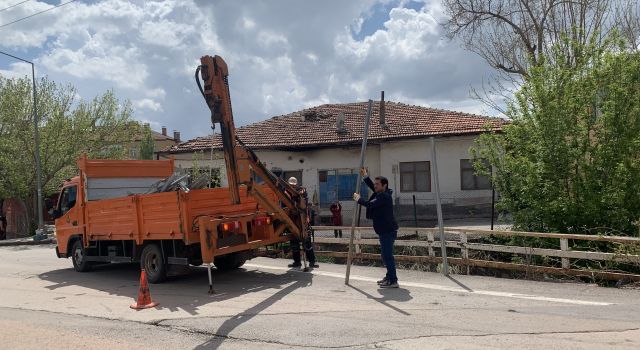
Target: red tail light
[261, 221]
[230, 226]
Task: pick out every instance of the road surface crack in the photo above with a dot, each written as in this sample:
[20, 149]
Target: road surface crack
[379, 344]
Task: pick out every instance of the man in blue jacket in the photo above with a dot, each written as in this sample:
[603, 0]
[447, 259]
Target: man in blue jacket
[380, 210]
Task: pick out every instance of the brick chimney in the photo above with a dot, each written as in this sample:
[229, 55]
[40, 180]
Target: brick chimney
[164, 130]
[176, 136]
[382, 120]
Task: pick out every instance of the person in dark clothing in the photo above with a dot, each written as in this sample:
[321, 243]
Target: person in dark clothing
[3, 227]
[336, 217]
[380, 210]
[295, 241]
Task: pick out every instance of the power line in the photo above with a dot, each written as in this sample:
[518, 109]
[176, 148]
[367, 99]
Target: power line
[37, 13]
[12, 6]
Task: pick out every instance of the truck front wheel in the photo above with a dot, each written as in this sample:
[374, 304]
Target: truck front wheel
[152, 261]
[79, 257]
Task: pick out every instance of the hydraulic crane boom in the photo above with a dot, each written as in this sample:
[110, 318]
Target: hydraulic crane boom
[214, 73]
[290, 210]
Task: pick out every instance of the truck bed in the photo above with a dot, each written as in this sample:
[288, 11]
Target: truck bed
[159, 216]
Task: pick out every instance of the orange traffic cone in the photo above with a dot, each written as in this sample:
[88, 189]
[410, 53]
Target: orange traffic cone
[144, 297]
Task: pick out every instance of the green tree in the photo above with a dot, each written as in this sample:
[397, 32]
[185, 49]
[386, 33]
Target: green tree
[147, 145]
[68, 126]
[569, 162]
[197, 170]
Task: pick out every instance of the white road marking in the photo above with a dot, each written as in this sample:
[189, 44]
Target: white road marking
[445, 288]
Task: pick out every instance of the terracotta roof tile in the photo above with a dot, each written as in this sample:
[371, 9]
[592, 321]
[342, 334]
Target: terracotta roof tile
[317, 127]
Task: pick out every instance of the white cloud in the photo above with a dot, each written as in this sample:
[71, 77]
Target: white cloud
[283, 56]
[248, 23]
[156, 93]
[165, 33]
[407, 36]
[118, 64]
[17, 70]
[147, 103]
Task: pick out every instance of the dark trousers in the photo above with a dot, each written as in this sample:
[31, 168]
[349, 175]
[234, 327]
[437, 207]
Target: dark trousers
[308, 250]
[337, 233]
[386, 245]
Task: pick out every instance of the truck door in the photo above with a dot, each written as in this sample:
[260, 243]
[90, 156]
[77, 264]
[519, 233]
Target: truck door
[68, 214]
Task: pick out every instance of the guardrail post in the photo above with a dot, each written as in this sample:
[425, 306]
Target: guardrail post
[431, 241]
[564, 246]
[465, 250]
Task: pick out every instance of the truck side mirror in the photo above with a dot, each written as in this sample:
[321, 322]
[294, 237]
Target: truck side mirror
[56, 213]
[48, 203]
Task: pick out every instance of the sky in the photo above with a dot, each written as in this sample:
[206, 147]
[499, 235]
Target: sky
[283, 55]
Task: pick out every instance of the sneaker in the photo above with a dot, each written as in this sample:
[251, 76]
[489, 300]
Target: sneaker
[314, 265]
[384, 280]
[295, 265]
[389, 284]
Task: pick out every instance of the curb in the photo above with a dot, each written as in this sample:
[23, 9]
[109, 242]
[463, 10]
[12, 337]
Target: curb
[12, 243]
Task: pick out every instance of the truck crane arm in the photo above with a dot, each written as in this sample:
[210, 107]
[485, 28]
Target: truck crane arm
[290, 208]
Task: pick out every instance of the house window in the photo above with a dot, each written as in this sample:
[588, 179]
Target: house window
[415, 177]
[468, 178]
[338, 185]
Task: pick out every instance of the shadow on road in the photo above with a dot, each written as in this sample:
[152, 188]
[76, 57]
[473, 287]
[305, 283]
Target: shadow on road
[396, 294]
[186, 292]
[222, 333]
[460, 284]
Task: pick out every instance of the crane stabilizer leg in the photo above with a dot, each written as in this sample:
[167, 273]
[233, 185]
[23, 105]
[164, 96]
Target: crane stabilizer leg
[209, 267]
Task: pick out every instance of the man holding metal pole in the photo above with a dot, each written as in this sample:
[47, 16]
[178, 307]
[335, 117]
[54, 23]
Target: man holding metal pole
[380, 210]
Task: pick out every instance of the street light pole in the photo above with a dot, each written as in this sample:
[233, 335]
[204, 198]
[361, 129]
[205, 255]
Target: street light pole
[36, 136]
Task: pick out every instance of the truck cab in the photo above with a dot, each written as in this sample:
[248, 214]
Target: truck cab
[67, 215]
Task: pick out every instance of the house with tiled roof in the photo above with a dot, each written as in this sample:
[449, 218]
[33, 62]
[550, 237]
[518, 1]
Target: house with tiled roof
[321, 147]
[161, 141]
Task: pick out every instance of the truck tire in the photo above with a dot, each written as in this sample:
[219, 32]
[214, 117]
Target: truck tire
[78, 257]
[152, 261]
[229, 262]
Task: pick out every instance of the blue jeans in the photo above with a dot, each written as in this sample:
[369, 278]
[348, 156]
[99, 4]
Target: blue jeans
[386, 244]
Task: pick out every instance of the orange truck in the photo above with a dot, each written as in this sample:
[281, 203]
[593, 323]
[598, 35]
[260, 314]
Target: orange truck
[106, 213]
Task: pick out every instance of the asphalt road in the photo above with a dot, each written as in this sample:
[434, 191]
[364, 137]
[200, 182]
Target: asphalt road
[45, 304]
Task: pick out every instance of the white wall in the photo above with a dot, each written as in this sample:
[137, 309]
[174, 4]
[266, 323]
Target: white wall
[380, 160]
[449, 152]
[310, 162]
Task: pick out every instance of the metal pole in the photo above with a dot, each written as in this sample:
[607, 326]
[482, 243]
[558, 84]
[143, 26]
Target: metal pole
[415, 213]
[357, 206]
[445, 264]
[493, 200]
[36, 137]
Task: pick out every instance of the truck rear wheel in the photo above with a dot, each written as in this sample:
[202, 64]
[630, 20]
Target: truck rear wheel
[229, 262]
[152, 261]
[79, 257]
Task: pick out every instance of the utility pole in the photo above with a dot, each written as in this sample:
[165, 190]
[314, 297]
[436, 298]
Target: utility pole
[356, 208]
[36, 137]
